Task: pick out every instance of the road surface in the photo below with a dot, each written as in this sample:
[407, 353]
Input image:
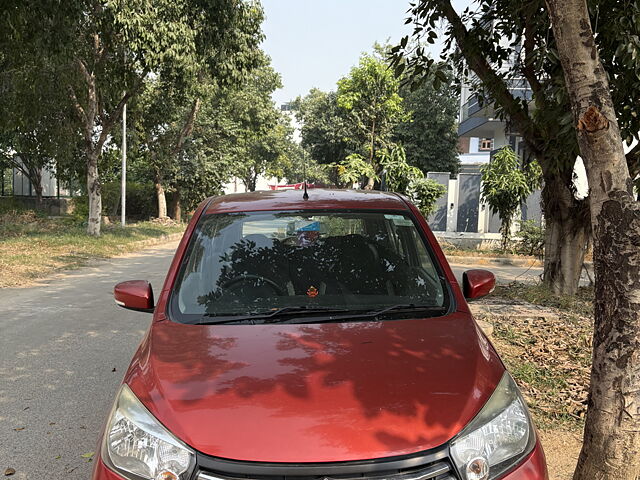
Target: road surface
[64, 346]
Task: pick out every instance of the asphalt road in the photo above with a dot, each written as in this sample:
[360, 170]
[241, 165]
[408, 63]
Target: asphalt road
[60, 342]
[64, 346]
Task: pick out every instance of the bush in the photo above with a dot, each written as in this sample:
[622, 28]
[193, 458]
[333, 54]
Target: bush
[531, 239]
[81, 209]
[425, 192]
[141, 200]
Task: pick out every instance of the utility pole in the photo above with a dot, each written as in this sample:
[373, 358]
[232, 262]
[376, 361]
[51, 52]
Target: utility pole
[123, 186]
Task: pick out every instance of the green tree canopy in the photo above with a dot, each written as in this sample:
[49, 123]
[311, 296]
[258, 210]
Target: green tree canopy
[324, 127]
[370, 95]
[430, 135]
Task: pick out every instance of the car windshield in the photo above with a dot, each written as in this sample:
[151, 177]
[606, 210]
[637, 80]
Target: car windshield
[261, 264]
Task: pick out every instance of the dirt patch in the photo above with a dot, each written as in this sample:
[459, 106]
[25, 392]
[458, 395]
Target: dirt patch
[561, 449]
[545, 341]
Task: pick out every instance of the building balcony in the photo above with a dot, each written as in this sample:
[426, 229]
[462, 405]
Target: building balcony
[479, 120]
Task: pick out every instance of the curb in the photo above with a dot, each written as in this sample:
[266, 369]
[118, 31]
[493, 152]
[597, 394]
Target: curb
[153, 241]
[518, 262]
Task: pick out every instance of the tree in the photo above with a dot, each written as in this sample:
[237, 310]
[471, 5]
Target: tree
[34, 126]
[324, 127]
[260, 131]
[104, 50]
[475, 42]
[370, 96]
[612, 428]
[430, 135]
[506, 185]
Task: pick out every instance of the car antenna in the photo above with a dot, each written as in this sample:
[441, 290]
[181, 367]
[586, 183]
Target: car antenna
[305, 195]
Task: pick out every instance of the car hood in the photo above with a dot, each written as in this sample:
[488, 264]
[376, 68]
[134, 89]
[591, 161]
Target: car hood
[319, 392]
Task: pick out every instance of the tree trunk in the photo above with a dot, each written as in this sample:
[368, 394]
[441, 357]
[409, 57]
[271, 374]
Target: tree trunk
[612, 427]
[36, 181]
[160, 195]
[567, 232]
[371, 181]
[505, 230]
[93, 191]
[176, 214]
[564, 248]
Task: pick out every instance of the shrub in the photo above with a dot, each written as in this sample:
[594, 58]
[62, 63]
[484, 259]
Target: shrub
[141, 200]
[425, 192]
[531, 238]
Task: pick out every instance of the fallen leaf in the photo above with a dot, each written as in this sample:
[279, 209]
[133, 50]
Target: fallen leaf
[88, 455]
[18, 429]
[9, 471]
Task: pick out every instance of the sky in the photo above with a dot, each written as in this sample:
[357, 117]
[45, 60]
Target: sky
[314, 43]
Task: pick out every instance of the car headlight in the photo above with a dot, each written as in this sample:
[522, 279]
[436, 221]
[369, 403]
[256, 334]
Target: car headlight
[498, 438]
[138, 447]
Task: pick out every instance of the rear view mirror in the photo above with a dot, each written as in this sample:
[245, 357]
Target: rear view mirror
[477, 283]
[134, 295]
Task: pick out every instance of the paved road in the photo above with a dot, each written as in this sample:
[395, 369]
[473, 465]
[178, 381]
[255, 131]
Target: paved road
[60, 342]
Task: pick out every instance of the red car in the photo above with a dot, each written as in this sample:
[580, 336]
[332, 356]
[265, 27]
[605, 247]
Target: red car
[322, 338]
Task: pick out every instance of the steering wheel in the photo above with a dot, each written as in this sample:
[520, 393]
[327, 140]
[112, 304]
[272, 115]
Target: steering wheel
[256, 280]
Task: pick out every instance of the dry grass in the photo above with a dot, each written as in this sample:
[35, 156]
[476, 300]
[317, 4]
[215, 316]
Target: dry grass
[549, 356]
[33, 246]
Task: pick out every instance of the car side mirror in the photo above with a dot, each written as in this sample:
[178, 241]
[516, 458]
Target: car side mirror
[134, 295]
[477, 283]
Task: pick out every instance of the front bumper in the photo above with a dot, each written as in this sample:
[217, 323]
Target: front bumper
[534, 467]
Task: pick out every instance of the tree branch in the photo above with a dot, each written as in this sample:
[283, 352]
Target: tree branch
[528, 69]
[115, 115]
[495, 85]
[187, 128]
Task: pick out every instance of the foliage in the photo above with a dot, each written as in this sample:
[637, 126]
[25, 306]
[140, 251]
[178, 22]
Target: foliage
[262, 137]
[430, 135]
[505, 185]
[352, 169]
[402, 177]
[298, 166]
[531, 241]
[398, 174]
[369, 94]
[324, 132]
[140, 200]
[425, 193]
[99, 55]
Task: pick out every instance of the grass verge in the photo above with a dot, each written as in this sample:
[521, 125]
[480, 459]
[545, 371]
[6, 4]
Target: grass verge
[550, 356]
[33, 246]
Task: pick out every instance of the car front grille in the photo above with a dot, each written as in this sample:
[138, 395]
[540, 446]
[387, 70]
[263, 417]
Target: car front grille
[440, 469]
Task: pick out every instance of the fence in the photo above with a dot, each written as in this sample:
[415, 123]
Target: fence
[461, 210]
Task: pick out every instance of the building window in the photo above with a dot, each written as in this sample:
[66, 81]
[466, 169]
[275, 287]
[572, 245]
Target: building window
[486, 144]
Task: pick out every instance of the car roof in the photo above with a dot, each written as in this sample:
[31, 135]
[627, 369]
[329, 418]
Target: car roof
[319, 199]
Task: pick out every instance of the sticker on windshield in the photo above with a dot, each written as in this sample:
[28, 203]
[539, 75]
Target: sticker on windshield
[399, 220]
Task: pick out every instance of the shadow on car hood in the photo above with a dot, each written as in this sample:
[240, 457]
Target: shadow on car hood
[315, 392]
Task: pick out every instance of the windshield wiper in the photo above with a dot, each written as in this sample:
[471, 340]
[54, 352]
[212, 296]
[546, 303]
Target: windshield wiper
[373, 315]
[286, 311]
[408, 306]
